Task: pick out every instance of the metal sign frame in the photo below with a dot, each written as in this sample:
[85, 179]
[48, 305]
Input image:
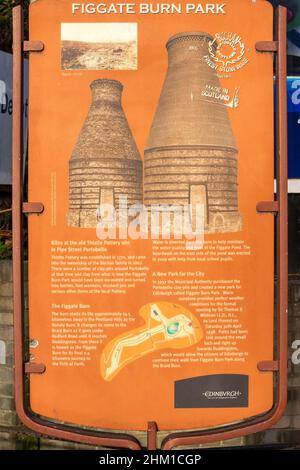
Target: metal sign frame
[277, 208]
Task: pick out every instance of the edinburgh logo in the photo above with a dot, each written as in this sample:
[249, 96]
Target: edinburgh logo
[222, 395]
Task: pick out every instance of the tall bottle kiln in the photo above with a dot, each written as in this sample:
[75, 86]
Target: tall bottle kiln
[191, 154]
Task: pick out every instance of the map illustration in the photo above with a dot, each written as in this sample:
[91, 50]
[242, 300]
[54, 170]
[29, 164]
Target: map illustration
[167, 325]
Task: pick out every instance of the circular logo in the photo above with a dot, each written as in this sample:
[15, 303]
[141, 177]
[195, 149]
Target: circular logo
[226, 52]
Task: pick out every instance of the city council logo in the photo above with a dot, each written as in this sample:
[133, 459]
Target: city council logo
[226, 53]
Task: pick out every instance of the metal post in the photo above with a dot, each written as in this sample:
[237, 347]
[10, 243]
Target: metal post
[17, 202]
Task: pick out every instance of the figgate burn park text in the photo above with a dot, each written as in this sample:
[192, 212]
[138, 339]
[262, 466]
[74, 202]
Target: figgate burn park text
[148, 8]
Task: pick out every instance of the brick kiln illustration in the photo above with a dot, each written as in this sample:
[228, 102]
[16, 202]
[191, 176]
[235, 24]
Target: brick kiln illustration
[105, 164]
[191, 154]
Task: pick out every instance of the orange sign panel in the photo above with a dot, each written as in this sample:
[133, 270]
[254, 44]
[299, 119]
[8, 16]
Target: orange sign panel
[150, 271]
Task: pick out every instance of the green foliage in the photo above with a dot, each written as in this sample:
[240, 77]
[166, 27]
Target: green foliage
[5, 249]
[5, 9]
[6, 23]
[27, 442]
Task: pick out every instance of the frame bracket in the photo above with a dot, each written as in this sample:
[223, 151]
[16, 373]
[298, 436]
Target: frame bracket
[152, 435]
[34, 368]
[268, 366]
[33, 46]
[32, 208]
[267, 207]
[267, 46]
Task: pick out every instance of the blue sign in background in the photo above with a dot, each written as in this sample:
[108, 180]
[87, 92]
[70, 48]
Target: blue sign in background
[293, 94]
